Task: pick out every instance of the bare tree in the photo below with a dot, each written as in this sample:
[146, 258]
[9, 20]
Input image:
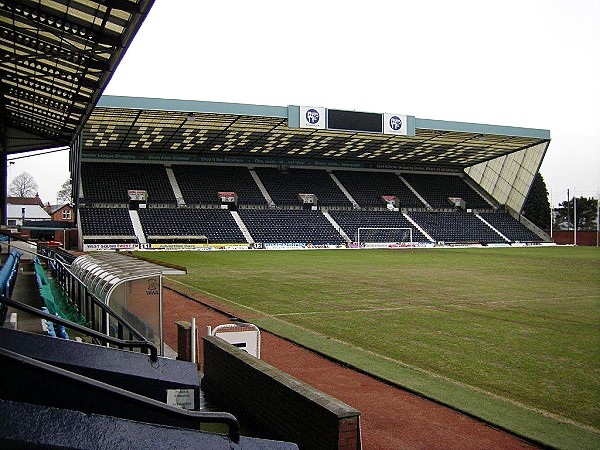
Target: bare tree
[64, 193]
[23, 185]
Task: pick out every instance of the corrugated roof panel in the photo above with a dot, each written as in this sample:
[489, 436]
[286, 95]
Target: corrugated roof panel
[57, 57]
[148, 130]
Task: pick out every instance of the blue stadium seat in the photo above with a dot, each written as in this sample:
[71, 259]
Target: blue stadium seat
[455, 227]
[217, 225]
[351, 221]
[284, 186]
[200, 184]
[105, 182]
[290, 226]
[106, 222]
[511, 227]
[436, 189]
[367, 188]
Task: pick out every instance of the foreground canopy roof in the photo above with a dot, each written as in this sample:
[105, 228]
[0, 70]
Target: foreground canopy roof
[102, 271]
[193, 130]
[56, 59]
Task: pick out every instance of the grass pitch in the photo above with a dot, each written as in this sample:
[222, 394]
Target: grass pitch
[522, 324]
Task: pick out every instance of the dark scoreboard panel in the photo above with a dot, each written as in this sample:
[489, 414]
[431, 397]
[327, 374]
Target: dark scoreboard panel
[354, 121]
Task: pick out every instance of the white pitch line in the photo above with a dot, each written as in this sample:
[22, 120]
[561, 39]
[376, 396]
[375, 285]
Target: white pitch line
[221, 298]
[334, 311]
[480, 390]
[405, 307]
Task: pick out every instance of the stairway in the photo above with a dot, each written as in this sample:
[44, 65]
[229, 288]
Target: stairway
[262, 188]
[336, 226]
[52, 387]
[137, 226]
[175, 186]
[26, 291]
[494, 229]
[242, 226]
[345, 191]
[414, 191]
[418, 227]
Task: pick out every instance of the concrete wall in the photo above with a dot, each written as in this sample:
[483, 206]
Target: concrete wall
[276, 402]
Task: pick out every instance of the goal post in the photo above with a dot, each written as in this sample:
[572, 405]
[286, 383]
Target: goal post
[384, 237]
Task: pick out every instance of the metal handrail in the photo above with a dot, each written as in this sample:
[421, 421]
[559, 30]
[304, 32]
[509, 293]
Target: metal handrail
[145, 344]
[107, 309]
[202, 416]
[96, 301]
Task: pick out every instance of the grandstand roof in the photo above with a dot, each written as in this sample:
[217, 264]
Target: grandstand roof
[57, 57]
[180, 130]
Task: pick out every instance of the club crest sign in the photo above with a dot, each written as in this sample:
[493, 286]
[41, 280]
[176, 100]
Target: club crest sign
[394, 124]
[312, 117]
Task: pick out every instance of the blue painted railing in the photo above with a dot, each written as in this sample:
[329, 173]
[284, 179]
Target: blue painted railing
[8, 275]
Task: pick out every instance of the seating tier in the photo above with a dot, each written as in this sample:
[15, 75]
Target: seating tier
[218, 225]
[290, 226]
[511, 227]
[284, 187]
[106, 222]
[436, 189]
[367, 188]
[455, 227]
[351, 221]
[109, 182]
[201, 184]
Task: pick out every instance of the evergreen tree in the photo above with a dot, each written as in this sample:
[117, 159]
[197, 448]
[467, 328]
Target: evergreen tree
[586, 213]
[537, 205]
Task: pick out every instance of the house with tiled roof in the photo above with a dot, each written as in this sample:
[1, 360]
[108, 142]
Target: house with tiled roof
[60, 213]
[54, 223]
[25, 201]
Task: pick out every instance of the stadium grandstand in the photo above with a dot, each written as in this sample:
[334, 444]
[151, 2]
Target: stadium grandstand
[87, 352]
[181, 174]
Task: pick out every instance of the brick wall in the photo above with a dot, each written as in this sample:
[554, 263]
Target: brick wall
[349, 434]
[276, 403]
[588, 238]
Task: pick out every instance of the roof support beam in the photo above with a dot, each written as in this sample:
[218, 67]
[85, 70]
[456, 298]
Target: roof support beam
[66, 27]
[30, 69]
[57, 58]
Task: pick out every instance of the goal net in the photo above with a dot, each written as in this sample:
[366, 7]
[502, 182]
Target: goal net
[384, 237]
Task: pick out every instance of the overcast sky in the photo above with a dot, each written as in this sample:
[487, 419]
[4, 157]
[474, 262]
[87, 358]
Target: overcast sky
[525, 63]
